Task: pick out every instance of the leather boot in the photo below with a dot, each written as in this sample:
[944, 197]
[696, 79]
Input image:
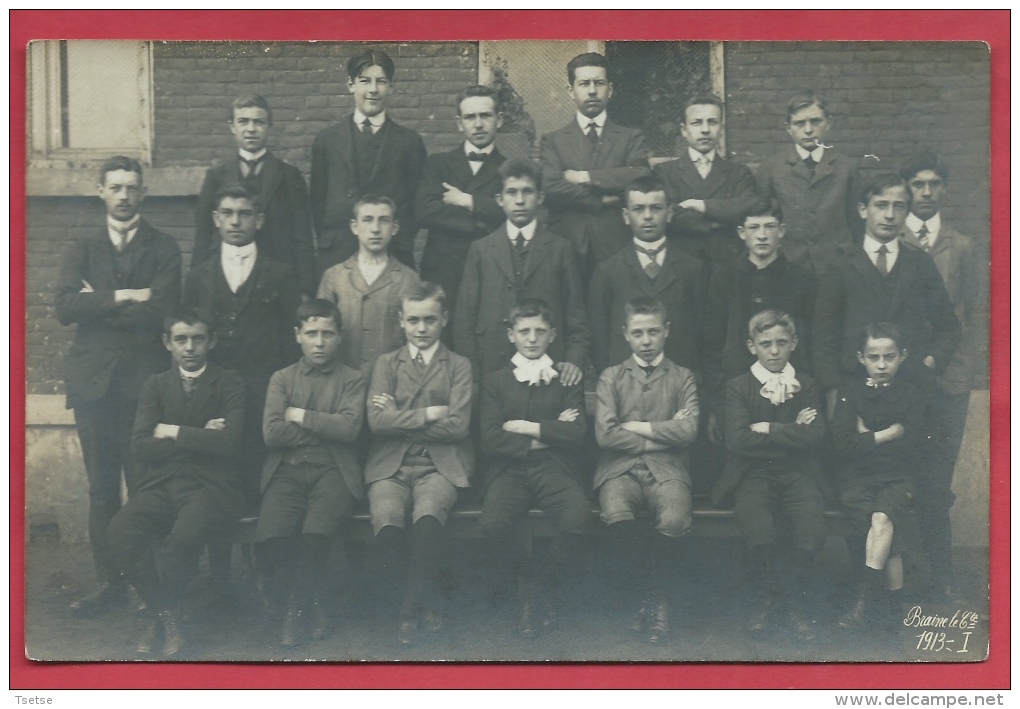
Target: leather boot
[863, 601]
[174, 637]
[658, 626]
[106, 598]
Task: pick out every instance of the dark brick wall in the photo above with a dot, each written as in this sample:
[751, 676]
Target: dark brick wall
[888, 99]
[306, 86]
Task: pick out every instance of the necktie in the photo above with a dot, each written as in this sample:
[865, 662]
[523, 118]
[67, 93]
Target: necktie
[647, 369]
[122, 234]
[189, 385]
[519, 242]
[652, 268]
[476, 157]
[366, 127]
[810, 162]
[251, 168]
[880, 263]
[419, 360]
[922, 236]
[704, 166]
[593, 135]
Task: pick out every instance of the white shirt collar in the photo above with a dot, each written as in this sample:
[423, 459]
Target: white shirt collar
[650, 246]
[872, 245]
[654, 363]
[934, 225]
[192, 375]
[376, 121]
[695, 155]
[528, 230]
[533, 371]
[251, 156]
[777, 387]
[426, 354]
[487, 150]
[584, 121]
[817, 153]
[231, 252]
[131, 225]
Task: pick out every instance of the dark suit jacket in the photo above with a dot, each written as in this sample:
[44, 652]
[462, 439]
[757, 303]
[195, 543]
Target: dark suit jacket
[576, 212]
[680, 287]
[206, 454]
[503, 399]
[445, 382]
[965, 270]
[728, 191]
[452, 229]
[820, 212]
[798, 444]
[119, 343]
[286, 234]
[854, 294]
[259, 339]
[489, 290]
[336, 186]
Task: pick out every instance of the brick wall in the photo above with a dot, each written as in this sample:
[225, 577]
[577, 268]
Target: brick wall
[888, 99]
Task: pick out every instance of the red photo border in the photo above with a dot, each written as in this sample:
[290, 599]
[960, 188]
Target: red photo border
[991, 27]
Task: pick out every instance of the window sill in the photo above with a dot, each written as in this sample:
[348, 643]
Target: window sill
[65, 181]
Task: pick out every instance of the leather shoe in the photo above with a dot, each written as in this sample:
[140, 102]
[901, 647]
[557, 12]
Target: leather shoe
[174, 638]
[658, 627]
[150, 638]
[526, 626]
[856, 614]
[407, 634]
[290, 632]
[109, 596]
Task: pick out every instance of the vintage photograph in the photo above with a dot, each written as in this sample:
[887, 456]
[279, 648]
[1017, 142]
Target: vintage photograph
[528, 351]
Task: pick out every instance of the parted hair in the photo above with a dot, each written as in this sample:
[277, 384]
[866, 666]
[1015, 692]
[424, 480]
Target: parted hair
[521, 168]
[475, 91]
[239, 190]
[926, 160]
[705, 99]
[643, 184]
[877, 184]
[374, 199]
[530, 308]
[880, 331]
[804, 100]
[586, 59]
[370, 57]
[426, 290]
[768, 319]
[317, 308]
[119, 162]
[188, 316]
[762, 208]
[643, 306]
[251, 101]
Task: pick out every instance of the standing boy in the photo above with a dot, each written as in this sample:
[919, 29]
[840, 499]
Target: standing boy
[708, 193]
[365, 153]
[419, 408]
[116, 284]
[366, 288]
[964, 272]
[650, 267]
[773, 434]
[457, 194]
[815, 186]
[587, 163]
[520, 260]
[286, 231]
[879, 426]
[312, 479]
[646, 417]
[532, 431]
[186, 437]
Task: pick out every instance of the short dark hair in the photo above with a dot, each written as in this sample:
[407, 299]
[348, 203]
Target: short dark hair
[877, 184]
[426, 290]
[644, 306]
[188, 316]
[317, 308]
[251, 101]
[704, 100]
[761, 208]
[643, 184]
[880, 331]
[478, 90]
[926, 160]
[586, 59]
[119, 162]
[767, 319]
[373, 199]
[803, 100]
[370, 57]
[520, 168]
[530, 308]
[239, 190]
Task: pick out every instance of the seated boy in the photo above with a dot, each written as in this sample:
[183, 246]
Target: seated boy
[646, 417]
[773, 432]
[532, 430]
[878, 425]
[419, 408]
[186, 436]
[366, 287]
[311, 480]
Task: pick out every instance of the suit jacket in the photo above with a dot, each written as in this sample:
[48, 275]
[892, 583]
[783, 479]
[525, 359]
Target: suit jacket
[446, 381]
[821, 211]
[728, 191]
[626, 394]
[577, 212]
[116, 343]
[489, 290]
[370, 313]
[205, 454]
[854, 294]
[965, 271]
[452, 229]
[503, 399]
[333, 418]
[286, 233]
[680, 287]
[795, 443]
[258, 339]
[336, 186]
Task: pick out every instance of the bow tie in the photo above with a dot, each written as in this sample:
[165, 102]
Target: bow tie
[872, 383]
[477, 157]
[533, 372]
